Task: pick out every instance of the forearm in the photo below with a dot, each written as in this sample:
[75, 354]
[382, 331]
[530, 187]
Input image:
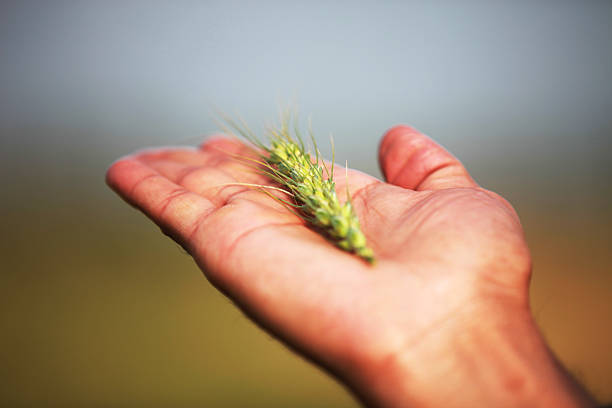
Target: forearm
[499, 362]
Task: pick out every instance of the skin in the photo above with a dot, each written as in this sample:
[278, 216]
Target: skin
[443, 317]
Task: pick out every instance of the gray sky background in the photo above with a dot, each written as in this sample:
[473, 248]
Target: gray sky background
[495, 82]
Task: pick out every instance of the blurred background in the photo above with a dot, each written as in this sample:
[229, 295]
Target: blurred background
[97, 308]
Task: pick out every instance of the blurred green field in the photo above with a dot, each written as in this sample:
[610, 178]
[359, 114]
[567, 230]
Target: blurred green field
[98, 308]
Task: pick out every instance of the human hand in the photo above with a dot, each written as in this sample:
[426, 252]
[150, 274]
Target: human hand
[442, 319]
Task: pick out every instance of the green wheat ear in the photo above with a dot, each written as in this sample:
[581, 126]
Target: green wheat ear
[286, 161]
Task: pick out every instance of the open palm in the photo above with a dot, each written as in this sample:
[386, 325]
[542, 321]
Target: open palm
[448, 252]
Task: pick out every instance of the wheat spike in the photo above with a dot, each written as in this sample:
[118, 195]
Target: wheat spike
[287, 162]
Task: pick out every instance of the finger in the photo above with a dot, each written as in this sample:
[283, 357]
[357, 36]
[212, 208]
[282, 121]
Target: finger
[222, 148]
[411, 160]
[213, 183]
[199, 178]
[227, 155]
[175, 209]
[186, 155]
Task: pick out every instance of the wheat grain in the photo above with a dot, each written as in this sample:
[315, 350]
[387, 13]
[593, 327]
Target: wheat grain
[311, 184]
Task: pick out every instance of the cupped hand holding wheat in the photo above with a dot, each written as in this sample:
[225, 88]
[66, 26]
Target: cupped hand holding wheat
[442, 319]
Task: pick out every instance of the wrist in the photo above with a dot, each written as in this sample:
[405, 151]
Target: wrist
[487, 356]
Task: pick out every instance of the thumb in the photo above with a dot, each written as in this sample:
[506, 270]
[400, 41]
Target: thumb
[410, 159]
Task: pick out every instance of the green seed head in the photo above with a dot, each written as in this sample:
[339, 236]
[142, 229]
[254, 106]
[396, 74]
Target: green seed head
[323, 217]
[315, 195]
[344, 244]
[356, 237]
[340, 225]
